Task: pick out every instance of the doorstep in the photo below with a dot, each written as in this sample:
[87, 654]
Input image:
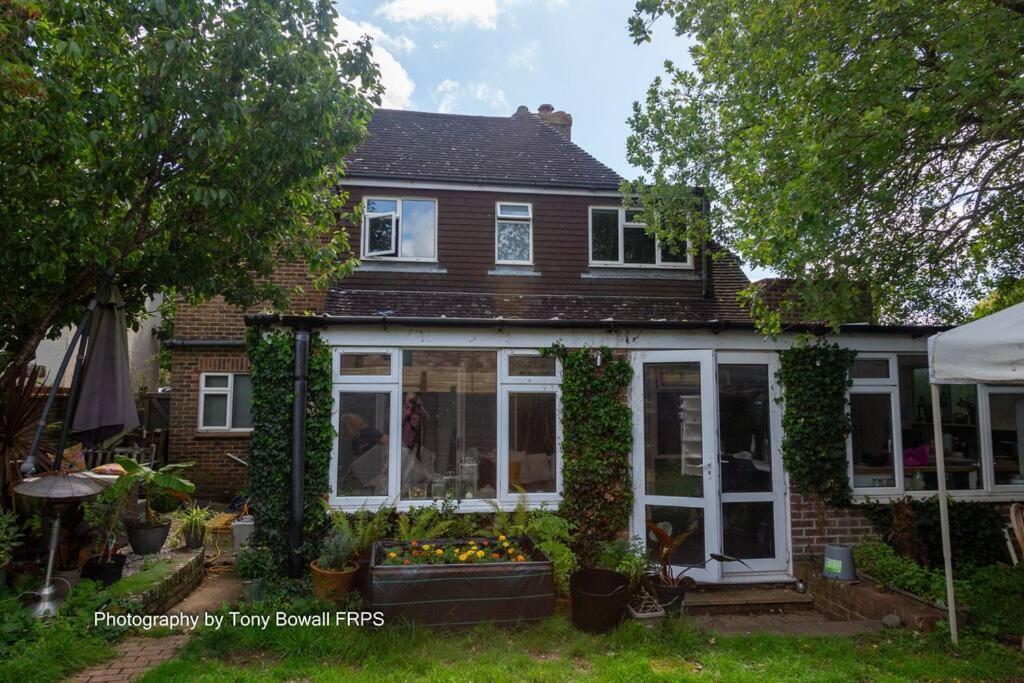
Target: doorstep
[715, 600]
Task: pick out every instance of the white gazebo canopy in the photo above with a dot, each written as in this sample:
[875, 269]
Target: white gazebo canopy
[989, 350]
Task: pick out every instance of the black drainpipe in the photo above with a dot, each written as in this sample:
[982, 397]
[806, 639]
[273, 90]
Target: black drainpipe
[295, 564]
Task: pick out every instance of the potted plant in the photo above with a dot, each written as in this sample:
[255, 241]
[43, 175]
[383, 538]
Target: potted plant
[334, 570]
[104, 515]
[254, 564]
[365, 528]
[670, 587]
[193, 525]
[629, 558]
[147, 532]
[10, 538]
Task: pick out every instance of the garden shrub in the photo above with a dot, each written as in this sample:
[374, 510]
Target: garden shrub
[895, 571]
[975, 531]
[995, 595]
[597, 438]
[272, 356]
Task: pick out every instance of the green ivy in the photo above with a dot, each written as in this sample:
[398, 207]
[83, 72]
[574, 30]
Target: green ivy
[271, 354]
[597, 438]
[815, 422]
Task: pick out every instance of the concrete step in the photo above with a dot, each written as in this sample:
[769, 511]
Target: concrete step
[739, 600]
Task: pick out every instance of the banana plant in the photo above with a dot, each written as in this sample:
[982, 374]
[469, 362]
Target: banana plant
[164, 478]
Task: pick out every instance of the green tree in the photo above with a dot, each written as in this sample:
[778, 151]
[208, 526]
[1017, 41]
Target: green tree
[863, 147]
[191, 145]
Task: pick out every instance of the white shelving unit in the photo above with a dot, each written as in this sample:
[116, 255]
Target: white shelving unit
[691, 435]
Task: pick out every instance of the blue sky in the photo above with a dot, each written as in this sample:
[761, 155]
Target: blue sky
[489, 56]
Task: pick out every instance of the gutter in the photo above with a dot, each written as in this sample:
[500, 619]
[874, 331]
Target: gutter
[203, 343]
[323, 320]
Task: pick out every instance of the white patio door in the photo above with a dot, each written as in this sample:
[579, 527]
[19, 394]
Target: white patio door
[675, 455]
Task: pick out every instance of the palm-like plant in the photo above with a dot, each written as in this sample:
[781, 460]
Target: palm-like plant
[151, 480]
[19, 414]
[667, 547]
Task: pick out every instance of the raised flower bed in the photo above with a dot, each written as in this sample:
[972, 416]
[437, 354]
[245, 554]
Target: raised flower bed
[461, 582]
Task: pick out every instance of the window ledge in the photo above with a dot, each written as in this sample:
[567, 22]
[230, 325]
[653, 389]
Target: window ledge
[400, 267]
[515, 271]
[233, 434]
[624, 273]
[975, 495]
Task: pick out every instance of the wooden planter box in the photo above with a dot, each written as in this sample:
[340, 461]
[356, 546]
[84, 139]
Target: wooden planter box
[463, 595]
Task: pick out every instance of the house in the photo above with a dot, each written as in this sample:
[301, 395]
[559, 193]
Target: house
[487, 238]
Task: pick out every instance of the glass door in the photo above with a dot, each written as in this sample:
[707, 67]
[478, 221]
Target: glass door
[675, 457]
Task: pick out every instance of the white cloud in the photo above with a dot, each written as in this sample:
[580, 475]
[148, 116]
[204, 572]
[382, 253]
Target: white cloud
[398, 86]
[525, 56]
[479, 13]
[449, 94]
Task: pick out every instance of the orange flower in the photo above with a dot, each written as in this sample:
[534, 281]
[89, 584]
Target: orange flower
[414, 544]
[405, 561]
[496, 556]
[520, 558]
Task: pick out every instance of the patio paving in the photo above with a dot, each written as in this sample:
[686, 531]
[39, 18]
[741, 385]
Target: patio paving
[135, 657]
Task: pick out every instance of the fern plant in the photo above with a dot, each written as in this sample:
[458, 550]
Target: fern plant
[512, 523]
[364, 527]
[420, 524]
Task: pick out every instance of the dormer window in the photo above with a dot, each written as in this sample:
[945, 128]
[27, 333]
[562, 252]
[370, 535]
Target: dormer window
[619, 239]
[397, 228]
[513, 234]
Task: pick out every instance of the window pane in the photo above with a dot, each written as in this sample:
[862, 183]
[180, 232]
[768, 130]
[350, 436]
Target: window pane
[872, 439]
[241, 403]
[363, 428]
[674, 254]
[380, 235]
[417, 228]
[748, 530]
[673, 444]
[531, 447]
[676, 521]
[959, 410]
[604, 224]
[633, 215]
[363, 364]
[449, 424]
[381, 206]
[870, 368]
[513, 241]
[1008, 437]
[215, 410]
[216, 381]
[531, 366]
[638, 246]
[745, 428]
[514, 210]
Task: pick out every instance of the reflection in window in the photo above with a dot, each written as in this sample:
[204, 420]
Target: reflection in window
[872, 439]
[677, 522]
[531, 448]
[522, 365]
[748, 530]
[673, 458]
[959, 408]
[1007, 411]
[449, 423]
[365, 364]
[870, 368]
[363, 443]
[604, 228]
[400, 228]
[744, 426]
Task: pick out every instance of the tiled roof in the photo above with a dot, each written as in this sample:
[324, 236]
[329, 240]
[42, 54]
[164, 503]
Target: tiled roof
[518, 150]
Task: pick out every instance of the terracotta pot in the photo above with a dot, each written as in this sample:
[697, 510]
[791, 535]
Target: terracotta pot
[330, 585]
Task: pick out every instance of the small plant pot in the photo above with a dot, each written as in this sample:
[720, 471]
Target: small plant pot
[331, 585]
[252, 589]
[242, 531]
[195, 539]
[147, 540]
[106, 572]
[670, 597]
[65, 581]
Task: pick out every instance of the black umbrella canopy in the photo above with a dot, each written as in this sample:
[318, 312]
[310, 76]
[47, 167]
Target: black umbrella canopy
[106, 404]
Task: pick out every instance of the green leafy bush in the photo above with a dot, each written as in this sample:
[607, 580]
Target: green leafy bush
[628, 558]
[995, 595]
[10, 536]
[895, 571]
[255, 562]
[554, 535]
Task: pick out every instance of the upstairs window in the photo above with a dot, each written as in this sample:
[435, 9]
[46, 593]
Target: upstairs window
[395, 228]
[513, 234]
[618, 238]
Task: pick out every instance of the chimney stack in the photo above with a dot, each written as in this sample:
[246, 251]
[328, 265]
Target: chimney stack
[559, 120]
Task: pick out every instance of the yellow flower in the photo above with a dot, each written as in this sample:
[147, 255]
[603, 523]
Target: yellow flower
[502, 538]
[439, 552]
[426, 546]
[392, 556]
[505, 544]
[462, 557]
[479, 553]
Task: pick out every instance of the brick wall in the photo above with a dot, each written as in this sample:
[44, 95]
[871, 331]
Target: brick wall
[215, 475]
[842, 525]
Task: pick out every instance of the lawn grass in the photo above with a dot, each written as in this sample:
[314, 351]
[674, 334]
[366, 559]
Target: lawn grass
[554, 651]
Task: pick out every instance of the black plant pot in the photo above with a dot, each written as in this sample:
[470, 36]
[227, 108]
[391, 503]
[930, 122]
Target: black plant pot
[195, 539]
[670, 597]
[147, 540]
[106, 572]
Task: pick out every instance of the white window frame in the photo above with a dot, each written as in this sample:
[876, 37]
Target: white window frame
[396, 229]
[229, 392]
[392, 384]
[988, 459]
[883, 388]
[892, 380]
[620, 263]
[522, 220]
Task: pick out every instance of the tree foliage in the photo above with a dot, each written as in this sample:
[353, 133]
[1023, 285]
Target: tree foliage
[863, 147]
[183, 144]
